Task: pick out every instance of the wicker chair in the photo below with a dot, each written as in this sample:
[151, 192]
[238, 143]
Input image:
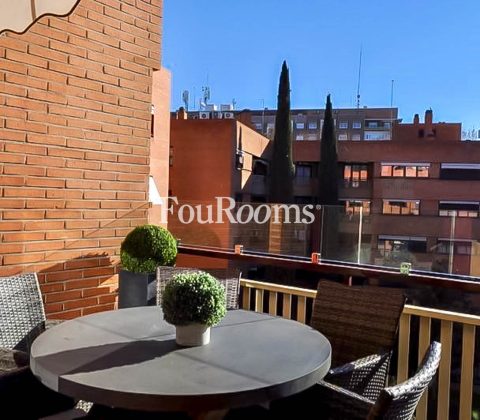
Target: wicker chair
[361, 323]
[394, 403]
[230, 278]
[22, 319]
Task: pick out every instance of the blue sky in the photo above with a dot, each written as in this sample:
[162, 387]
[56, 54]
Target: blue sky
[430, 48]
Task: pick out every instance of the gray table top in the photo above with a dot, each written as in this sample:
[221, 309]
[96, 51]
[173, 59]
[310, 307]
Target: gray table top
[128, 358]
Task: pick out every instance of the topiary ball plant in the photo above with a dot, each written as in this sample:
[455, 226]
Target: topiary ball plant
[194, 298]
[147, 247]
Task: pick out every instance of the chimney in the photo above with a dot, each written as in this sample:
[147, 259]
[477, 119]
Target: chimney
[416, 119]
[428, 118]
[182, 114]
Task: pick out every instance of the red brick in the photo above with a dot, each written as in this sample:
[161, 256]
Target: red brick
[13, 66]
[23, 192]
[68, 48]
[26, 81]
[23, 214]
[85, 103]
[68, 153]
[81, 224]
[47, 96]
[12, 180]
[29, 104]
[23, 259]
[45, 204]
[12, 204]
[25, 126]
[44, 225]
[83, 164]
[63, 214]
[100, 175]
[98, 214]
[63, 296]
[64, 173]
[102, 58]
[66, 315]
[10, 226]
[47, 75]
[45, 160]
[47, 52]
[101, 195]
[23, 170]
[64, 234]
[43, 182]
[26, 149]
[83, 184]
[67, 69]
[26, 58]
[81, 244]
[44, 246]
[82, 204]
[66, 110]
[23, 236]
[11, 248]
[64, 194]
[81, 303]
[100, 156]
[45, 139]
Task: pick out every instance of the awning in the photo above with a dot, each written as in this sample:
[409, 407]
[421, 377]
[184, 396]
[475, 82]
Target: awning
[18, 15]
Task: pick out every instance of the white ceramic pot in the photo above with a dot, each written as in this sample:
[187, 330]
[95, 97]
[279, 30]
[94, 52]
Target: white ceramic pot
[192, 335]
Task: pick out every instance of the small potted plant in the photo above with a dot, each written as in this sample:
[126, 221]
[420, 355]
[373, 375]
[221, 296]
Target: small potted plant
[143, 250]
[193, 302]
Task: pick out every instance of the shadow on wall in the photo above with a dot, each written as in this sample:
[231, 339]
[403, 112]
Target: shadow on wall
[80, 286]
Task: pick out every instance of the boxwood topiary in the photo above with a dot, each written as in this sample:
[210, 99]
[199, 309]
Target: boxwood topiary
[147, 247]
[194, 298]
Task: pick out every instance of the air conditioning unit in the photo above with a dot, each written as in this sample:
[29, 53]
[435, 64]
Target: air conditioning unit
[203, 115]
[228, 115]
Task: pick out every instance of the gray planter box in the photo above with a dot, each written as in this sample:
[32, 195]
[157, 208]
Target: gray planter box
[136, 289]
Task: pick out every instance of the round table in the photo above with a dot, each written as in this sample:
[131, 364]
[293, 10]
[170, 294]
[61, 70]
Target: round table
[128, 358]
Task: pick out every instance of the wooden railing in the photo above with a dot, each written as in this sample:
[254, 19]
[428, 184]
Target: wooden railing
[296, 303]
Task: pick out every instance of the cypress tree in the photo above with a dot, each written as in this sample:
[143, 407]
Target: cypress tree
[328, 166]
[282, 168]
[328, 187]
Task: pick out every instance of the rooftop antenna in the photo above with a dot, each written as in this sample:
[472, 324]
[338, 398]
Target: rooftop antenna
[391, 108]
[359, 76]
[234, 103]
[206, 95]
[185, 98]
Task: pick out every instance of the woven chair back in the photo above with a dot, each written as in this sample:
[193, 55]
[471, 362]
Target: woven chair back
[399, 402]
[22, 315]
[358, 321]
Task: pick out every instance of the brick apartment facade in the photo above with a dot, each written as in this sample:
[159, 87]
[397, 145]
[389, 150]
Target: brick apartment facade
[75, 114]
[408, 178]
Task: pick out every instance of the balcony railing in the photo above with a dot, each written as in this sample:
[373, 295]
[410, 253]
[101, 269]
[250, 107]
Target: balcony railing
[453, 395]
[255, 293]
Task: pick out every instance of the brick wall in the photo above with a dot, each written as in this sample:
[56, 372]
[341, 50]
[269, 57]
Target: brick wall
[75, 97]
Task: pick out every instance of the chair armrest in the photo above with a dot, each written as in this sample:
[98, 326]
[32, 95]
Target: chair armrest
[365, 377]
[12, 359]
[343, 404]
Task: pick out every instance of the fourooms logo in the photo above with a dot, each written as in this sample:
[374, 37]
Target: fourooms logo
[226, 210]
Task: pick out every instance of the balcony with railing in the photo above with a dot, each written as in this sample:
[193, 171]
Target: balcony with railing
[280, 276]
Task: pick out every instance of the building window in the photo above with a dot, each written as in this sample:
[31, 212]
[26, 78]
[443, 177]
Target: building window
[354, 174]
[357, 124]
[259, 167]
[402, 207]
[303, 171]
[343, 136]
[372, 124]
[357, 206]
[387, 124]
[343, 125]
[299, 137]
[356, 137]
[312, 137]
[460, 171]
[312, 125]
[401, 246]
[259, 126]
[458, 208]
[377, 135]
[300, 126]
[408, 170]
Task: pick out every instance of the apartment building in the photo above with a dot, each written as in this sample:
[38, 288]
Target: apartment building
[416, 184]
